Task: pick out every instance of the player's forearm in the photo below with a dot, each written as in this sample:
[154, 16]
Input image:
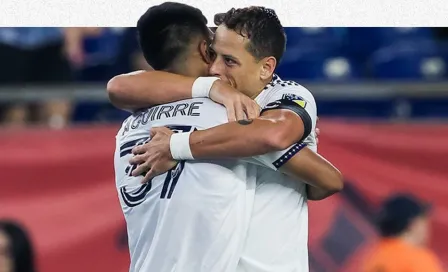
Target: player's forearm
[322, 178]
[148, 88]
[315, 193]
[240, 139]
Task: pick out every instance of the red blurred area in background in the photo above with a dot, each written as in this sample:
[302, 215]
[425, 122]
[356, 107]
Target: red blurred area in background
[60, 185]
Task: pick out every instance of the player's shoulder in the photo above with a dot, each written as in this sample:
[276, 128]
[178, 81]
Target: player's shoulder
[285, 89]
[279, 85]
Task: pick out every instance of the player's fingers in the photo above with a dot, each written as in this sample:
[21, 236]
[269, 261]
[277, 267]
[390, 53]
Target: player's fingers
[257, 109]
[317, 132]
[252, 112]
[231, 113]
[239, 112]
[151, 174]
[148, 177]
[142, 168]
[140, 149]
[138, 159]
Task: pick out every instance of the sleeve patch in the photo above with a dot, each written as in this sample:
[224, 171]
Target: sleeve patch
[301, 103]
[295, 98]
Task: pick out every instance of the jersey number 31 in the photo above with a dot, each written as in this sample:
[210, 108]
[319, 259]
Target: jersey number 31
[135, 198]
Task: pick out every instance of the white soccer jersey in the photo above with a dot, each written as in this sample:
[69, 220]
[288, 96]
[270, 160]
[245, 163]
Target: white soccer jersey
[277, 239]
[195, 217]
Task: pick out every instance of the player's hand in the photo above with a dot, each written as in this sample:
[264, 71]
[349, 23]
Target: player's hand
[238, 105]
[317, 131]
[153, 158]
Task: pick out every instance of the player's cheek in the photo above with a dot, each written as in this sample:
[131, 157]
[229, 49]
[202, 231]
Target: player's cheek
[232, 78]
[232, 82]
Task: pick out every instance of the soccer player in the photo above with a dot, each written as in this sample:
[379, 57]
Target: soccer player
[192, 218]
[280, 203]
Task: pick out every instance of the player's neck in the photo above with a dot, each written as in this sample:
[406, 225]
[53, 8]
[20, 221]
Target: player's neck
[259, 88]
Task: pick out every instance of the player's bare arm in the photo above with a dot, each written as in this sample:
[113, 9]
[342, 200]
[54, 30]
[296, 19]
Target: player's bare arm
[144, 89]
[321, 177]
[276, 130]
[272, 131]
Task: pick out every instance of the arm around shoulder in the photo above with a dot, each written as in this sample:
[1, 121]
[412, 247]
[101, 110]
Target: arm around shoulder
[144, 89]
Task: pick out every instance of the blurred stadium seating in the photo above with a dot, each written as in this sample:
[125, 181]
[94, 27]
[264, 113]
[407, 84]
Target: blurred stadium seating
[382, 96]
[319, 58]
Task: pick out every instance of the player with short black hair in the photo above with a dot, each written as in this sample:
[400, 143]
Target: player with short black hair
[169, 35]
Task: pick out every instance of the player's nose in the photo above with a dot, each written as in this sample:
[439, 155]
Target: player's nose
[216, 68]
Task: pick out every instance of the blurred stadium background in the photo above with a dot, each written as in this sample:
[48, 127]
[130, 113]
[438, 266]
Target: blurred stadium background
[382, 96]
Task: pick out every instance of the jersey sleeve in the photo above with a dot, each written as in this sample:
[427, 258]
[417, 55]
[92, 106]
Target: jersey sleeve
[299, 100]
[275, 160]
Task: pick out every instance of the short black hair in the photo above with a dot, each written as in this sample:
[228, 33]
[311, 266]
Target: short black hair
[20, 248]
[397, 212]
[165, 32]
[261, 26]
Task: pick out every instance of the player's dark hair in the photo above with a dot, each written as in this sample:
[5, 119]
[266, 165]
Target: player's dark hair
[392, 228]
[398, 212]
[166, 31]
[261, 26]
[20, 249]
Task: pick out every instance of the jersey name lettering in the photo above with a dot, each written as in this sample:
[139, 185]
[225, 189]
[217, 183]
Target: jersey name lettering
[163, 112]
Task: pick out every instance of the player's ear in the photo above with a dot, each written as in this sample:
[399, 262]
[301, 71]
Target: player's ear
[267, 68]
[203, 51]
